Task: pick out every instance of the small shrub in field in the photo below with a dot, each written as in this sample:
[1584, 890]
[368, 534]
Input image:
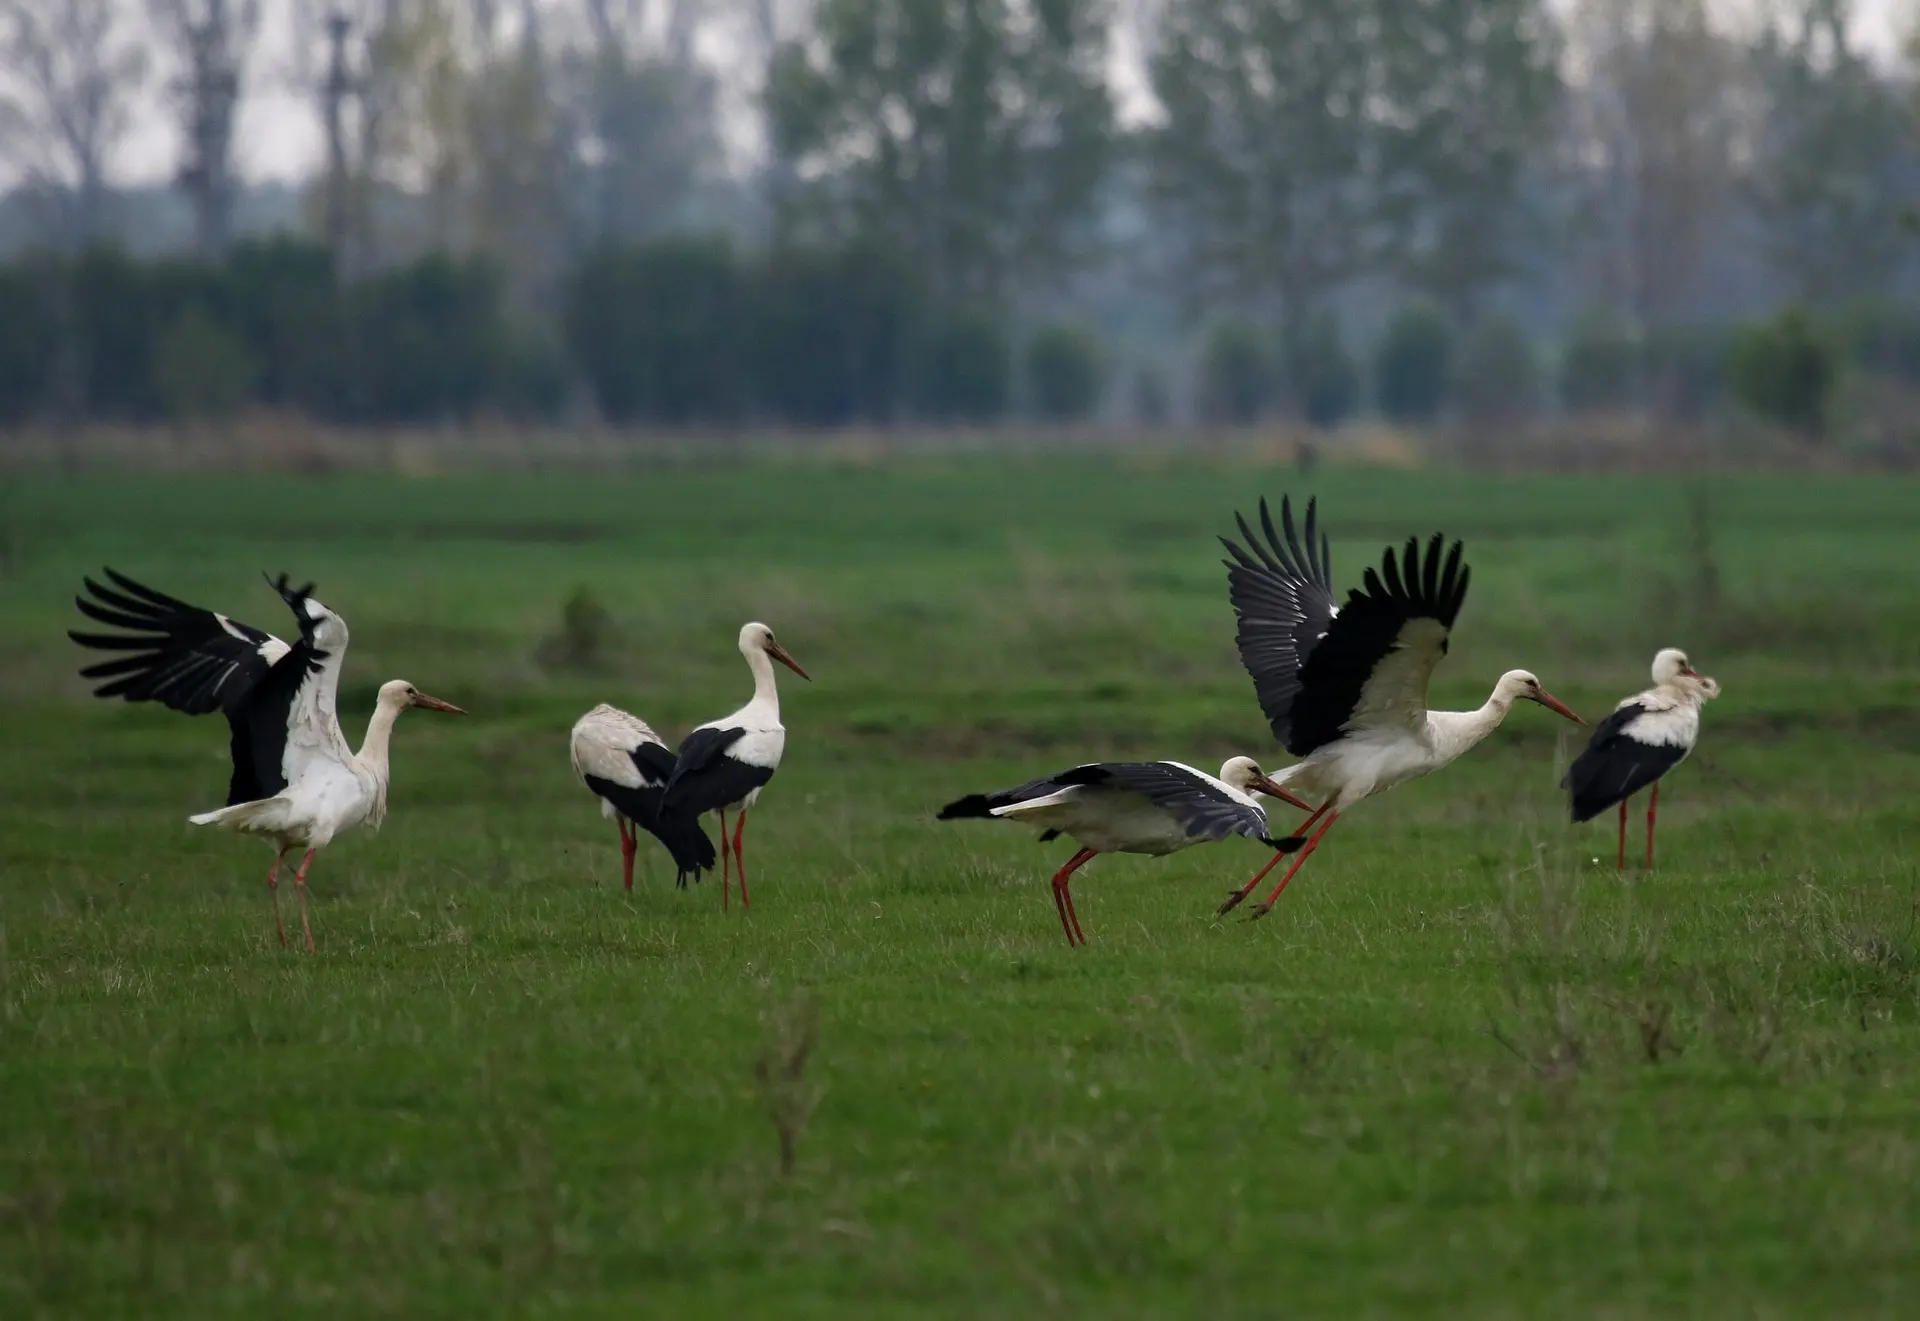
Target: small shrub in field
[584, 638]
[1599, 364]
[1237, 374]
[1413, 364]
[1066, 374]
[1786, 370]
[1322, 374]
[200, 370]
[1684, 369]
[1498, 377]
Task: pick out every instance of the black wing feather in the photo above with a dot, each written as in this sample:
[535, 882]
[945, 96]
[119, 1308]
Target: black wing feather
[685, 841]
[182, 656]
[705, 777]
[1202, 810]
[1310, 664]
[1614, 767]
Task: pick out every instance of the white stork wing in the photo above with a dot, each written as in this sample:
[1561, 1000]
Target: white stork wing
[181, 655]
[1368, 668]
[1283, 597]
[298, 709]
[1204, 807]
[606, 745]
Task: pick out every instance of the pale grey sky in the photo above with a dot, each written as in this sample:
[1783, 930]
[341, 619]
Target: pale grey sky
[279, 134]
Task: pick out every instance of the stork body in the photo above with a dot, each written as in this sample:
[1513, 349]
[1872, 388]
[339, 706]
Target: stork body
[1151, 807]
[619, 758]
[1646, 736]
[724, 764]
[295, 782]
[1345, 688]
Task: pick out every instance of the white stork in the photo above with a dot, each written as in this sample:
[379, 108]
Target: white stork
[1646, 736]
[1151, 807]
[626, 766]
[295, 780]
[1346, 688]
[724, 764]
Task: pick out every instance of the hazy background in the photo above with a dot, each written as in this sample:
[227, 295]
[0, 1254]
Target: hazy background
[1687, 227]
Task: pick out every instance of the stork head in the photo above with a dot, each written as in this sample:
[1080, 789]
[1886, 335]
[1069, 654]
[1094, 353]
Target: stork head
[1521, 686]
[758, 638]
[1244, 774]
[1671, 668]
[398, 695]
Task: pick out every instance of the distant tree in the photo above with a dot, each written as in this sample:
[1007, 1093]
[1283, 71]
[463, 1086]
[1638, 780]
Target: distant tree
[1239, 379]
[76, 70]
[1260, 166]
[1657, 113]
[1413, 363]
[1469, 98]
[835, 333]
[1600, 363]
[1065, 373]
[966, 368]
[1497, 378]
[1787, 370]
[970, 137]
[201, 370]
[1835, 161]
[212, 42]
[1322, 376]
[27, 351]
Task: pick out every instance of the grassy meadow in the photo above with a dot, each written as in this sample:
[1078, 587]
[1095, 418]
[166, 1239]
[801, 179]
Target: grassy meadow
[1463, 1069]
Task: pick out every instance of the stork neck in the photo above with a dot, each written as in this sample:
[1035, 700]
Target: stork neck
[373, 749]
[766, 694]
[1455, 732]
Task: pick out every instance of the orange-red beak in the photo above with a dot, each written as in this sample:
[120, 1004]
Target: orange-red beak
[1272, 788]
[785, 657]
[435, 704]
[1554, 704]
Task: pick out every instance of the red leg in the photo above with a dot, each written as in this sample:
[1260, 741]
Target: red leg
[725, 862]
[1653, 806]
[1261, 910]
[627, 846]
[740, 857]
[1063, 897]
[273, 885]
[1235, 899]
[300, 885]
[1620, 864]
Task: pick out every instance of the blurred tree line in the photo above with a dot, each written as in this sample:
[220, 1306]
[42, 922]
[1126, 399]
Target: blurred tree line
[831, 212]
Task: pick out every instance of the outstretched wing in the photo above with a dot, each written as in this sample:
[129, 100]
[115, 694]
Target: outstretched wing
[1369, 666]
[1283, 598]
[1204, 807]
[182, 656]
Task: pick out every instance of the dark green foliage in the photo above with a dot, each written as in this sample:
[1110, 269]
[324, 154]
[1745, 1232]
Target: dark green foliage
[1498, 375]
[290, 312]
[1884, 339]
[1786, 370]
[1066, 373]
[966, 369]
[1413, 363]
[831, 333]
[201, 369]
[1686, 370]
[1600, 364]
[657, 331]
[27, 349]
[1321, 372]
[1238, 376]
[431, 335]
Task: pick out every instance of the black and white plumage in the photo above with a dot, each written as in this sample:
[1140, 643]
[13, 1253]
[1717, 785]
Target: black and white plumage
[724, 764]
[626, 766]
[295, 780]
[1150, 807]
[1646, 736]
[1345, 688]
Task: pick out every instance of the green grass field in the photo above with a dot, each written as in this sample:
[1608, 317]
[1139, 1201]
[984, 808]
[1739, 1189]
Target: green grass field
[1462, 1070]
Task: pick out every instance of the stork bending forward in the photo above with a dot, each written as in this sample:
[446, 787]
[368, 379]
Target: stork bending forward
[626, 766]
[1647, 735]
[1345, 688]
[295, 780]
[1151, 807]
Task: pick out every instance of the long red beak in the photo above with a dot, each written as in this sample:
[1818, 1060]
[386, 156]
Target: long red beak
[785, 657]
[1274, 789]
[1554, 704]
[435, 704]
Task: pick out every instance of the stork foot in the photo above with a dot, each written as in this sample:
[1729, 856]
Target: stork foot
[1291, 844]
[1258, 911]
[1233, 901]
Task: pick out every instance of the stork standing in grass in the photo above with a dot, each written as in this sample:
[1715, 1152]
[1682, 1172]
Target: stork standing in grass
[1646, 736]
[626, 766]
[1151, 807]
[1345, 688]
[295, 780]
[724, 764]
